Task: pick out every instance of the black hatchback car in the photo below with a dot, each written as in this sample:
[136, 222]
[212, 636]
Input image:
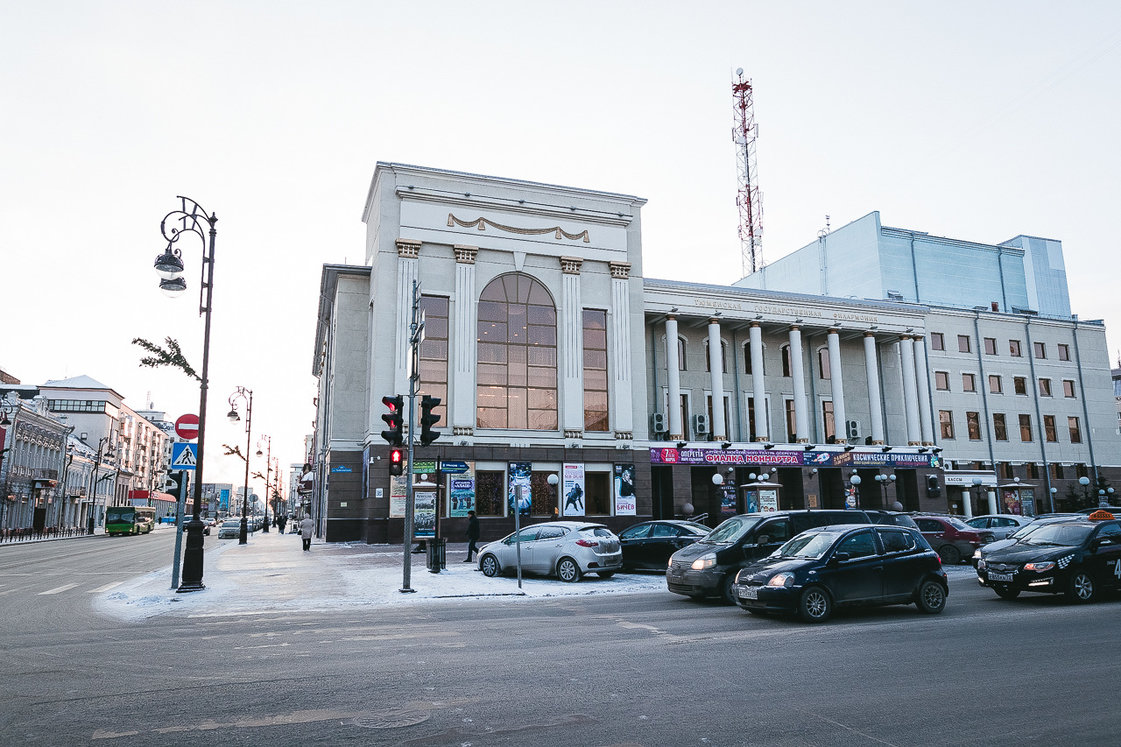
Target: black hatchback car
[1077, 557]
[648, 545]
[847, 565]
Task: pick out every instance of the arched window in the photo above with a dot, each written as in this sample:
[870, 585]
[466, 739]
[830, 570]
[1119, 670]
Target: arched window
[785, 352]
[747, 359]
[681, 354]
[723, 357]
[823, 363]
[517, 355]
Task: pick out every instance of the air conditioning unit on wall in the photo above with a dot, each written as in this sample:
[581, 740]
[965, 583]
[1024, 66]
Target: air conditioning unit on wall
[852, 429]
[700, 425]
[658, 422]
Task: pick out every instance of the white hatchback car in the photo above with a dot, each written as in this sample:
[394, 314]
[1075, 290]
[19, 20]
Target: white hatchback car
[567, 548]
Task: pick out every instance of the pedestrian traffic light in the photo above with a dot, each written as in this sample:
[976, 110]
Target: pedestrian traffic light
[393, 419]
[933, 489]
[428, 419]
[396, 462]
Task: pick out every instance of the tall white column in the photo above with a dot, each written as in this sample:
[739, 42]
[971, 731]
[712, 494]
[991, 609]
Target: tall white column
[875, 402]
[622, 410]
[673, 379]
[910, 390]
[758, 385]
[839, 416]
[572, 352]
[922, 372]
[716, 380]
[798, 376]
[465, 317]
[408, 252]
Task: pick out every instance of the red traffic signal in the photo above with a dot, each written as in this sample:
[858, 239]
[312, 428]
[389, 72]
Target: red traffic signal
[396, 462]
[393, 418]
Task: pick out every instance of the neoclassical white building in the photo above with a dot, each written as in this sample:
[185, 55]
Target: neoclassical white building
[552, 354]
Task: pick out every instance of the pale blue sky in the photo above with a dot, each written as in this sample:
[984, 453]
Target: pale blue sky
[972, 120]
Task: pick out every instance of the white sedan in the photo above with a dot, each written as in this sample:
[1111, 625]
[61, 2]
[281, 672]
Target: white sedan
[567, 548]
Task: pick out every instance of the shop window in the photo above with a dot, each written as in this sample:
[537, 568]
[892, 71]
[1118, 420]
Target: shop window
[542, 495]
[597, 493]
[490, 493]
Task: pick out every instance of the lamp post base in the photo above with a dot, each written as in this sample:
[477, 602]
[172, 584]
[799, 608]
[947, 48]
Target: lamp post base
[243, 537]
[192, 558]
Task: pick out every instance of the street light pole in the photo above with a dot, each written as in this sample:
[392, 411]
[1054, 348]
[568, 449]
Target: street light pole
[169, 265]
[101, 444]
[268, 472]
[246, 395]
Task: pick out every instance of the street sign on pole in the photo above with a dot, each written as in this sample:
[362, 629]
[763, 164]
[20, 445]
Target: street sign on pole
[184, 456]
[187, 427]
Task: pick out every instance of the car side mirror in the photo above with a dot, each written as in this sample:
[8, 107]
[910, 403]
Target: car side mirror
[840, 556]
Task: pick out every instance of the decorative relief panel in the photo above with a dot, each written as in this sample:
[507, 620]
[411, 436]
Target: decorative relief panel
[482, 223]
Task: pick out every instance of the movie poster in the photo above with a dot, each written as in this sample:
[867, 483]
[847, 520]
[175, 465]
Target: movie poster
[461, 491]
[519, 475]
[572, 490]
[625, 504]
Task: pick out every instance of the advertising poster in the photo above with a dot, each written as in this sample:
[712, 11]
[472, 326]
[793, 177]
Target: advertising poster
[424, 467]
[728, 500]
[1027, 501]
[519, 475]
[397, 488]
[572, 488]
[461, 491]
[424, 515]
[768, 500]
[1011, 502]
[625, 504]
[224, 500]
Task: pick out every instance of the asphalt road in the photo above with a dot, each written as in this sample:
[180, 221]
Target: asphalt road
[651, 669]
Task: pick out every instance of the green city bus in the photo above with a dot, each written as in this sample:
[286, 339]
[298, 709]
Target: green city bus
[129, 519]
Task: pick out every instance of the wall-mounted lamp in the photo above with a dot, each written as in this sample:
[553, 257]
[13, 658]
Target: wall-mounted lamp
[810, 447]
[886, 449]
[922, 449]
[682, 444]
[850, 447]
[726, 445]
[768, 445]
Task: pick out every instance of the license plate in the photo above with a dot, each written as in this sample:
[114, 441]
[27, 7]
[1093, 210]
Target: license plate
[749, 592]
[1000, 576]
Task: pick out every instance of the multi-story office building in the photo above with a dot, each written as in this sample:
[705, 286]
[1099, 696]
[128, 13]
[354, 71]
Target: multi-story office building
[552, 354]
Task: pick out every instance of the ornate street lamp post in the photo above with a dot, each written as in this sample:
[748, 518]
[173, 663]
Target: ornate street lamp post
[268, 472]
[94, 480]
[193, 219]
[247, 395]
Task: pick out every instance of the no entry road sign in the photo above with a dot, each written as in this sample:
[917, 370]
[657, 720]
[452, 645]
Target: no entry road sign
[187, 427]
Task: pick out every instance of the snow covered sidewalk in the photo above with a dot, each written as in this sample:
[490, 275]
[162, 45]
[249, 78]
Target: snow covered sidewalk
[273, 573]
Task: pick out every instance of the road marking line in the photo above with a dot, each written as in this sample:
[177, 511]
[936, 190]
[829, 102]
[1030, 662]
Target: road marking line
[58, 590]
[106, 587]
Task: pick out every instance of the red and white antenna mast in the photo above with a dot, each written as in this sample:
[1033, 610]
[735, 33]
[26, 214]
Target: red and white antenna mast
[748, 198]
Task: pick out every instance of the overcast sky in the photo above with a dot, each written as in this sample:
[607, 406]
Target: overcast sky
[977, 121]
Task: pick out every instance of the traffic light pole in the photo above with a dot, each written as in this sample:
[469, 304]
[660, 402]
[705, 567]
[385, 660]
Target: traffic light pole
[416, 334]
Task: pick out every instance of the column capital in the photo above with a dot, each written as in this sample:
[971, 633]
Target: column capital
[755, 323]
[571, 265]
[869, 334]
[620, 270]
[408, 248]
[833, 331]
[465, 254]
[714, 320]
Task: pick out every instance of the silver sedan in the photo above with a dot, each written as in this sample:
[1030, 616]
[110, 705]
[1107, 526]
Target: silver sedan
[567, 548]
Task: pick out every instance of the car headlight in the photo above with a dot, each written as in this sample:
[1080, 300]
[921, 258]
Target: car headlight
[785, 580]
[981, 564]
[1040, 567]
[977, 554]
[705, 561]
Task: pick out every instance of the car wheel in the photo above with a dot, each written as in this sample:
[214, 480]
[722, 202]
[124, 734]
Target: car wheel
[606, 574]
[815, 605]
[1006, 592]
[567, 570]
[932, 598]
[490, 566]
[1080, 588]
[950, 555]
[726, 590]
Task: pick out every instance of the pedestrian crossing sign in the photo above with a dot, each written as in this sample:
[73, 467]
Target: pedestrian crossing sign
[184, 456]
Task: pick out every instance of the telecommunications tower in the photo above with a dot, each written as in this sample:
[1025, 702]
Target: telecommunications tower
[748, 197]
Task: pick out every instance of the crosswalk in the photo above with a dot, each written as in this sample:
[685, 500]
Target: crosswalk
[33, 589]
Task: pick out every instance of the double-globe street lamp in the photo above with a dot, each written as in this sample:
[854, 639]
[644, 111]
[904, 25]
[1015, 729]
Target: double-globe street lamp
[102, 443]
[193, 219]
[268, 471]
[246, 395]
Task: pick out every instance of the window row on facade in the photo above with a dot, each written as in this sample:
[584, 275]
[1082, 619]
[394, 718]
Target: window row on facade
[1000, 427]
[990, 344]
[1045, 386]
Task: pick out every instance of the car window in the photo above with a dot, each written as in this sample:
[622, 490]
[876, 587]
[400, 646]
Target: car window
[895, 540]
[1059, 534]
[1111, 532]
[1000, 521]
[778, 530]
[732, 530]
[980, 523]
[527, 534]
[957, 524]
[858, 545]
[635, 532]
[598, 531]
[551, 533]
[664, 530]
[928, 525]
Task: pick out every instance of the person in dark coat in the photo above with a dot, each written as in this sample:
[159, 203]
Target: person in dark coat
[472, 535]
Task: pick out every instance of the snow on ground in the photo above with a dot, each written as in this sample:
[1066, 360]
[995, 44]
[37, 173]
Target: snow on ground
[272, 573]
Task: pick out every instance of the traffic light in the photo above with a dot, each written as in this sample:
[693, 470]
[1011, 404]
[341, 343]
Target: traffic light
[427, 419]
[393, 419]
[396, 462]
[933, 489]
[175, 483]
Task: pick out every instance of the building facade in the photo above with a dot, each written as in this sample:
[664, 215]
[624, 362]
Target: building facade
[551, 354]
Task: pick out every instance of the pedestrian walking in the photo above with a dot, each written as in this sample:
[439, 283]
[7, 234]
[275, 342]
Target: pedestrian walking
[472, 535]
[280, 522]
[307, 526]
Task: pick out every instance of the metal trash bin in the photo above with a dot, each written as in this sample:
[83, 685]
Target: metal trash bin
[437, 554]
